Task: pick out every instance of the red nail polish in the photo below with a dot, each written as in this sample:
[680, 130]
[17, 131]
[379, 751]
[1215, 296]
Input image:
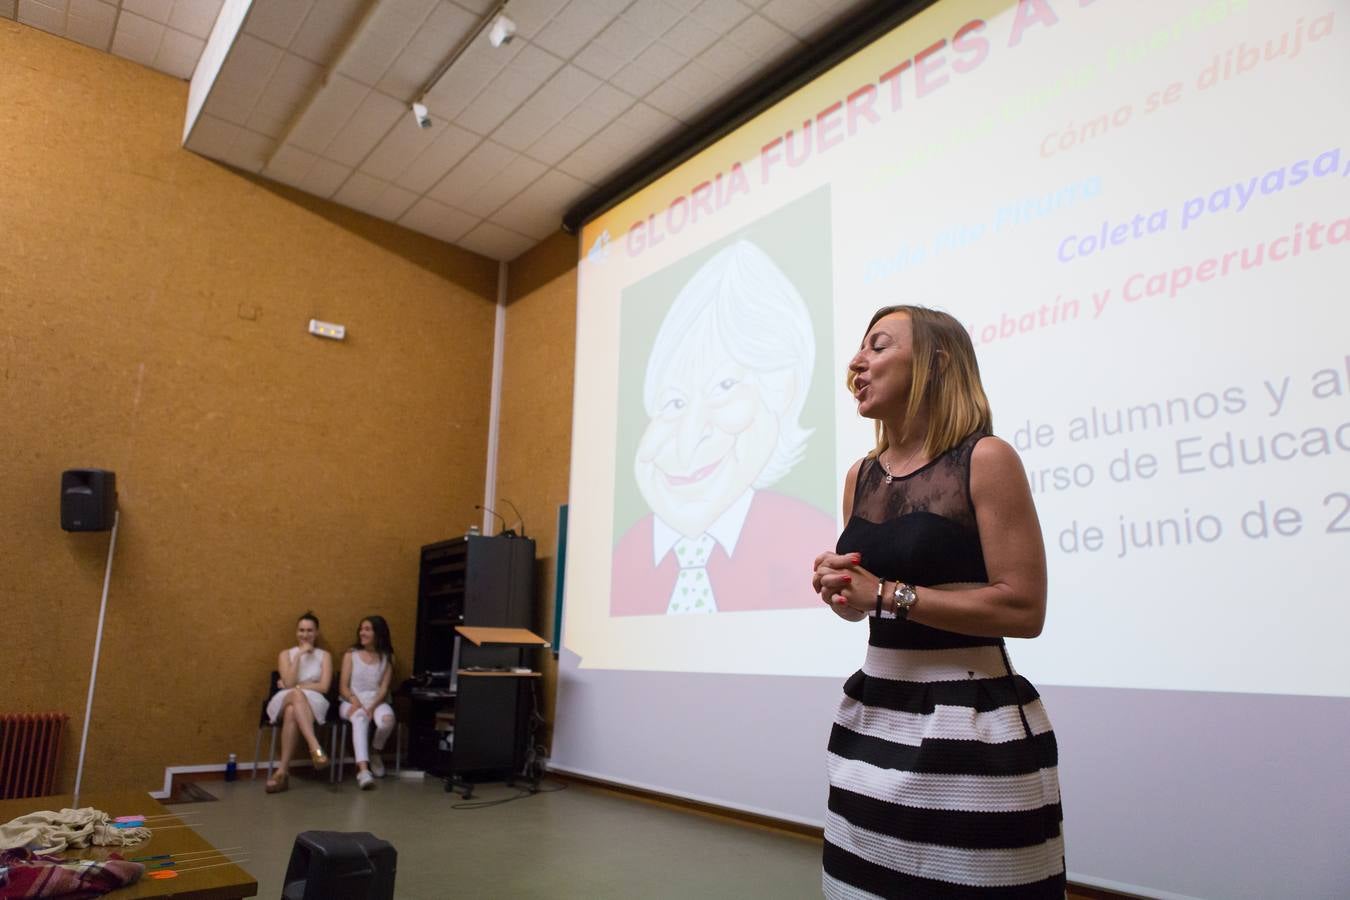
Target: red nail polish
[848, 579]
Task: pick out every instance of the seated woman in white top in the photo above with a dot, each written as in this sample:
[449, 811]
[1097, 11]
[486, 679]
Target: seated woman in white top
[367, 670]
[300, 703]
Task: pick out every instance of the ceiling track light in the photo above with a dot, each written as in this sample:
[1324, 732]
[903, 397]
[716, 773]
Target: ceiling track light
[494, 19]
[502, 30]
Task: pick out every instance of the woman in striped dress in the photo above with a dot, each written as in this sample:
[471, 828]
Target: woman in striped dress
[942, 763]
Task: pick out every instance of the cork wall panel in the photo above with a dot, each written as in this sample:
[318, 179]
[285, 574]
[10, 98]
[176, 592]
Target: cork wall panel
[153, 307]
[535, 438]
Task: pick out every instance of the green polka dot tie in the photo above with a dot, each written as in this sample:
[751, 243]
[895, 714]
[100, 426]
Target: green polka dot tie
[693, 591]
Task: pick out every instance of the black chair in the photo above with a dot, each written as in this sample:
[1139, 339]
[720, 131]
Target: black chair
[264, 722]
[338, 865]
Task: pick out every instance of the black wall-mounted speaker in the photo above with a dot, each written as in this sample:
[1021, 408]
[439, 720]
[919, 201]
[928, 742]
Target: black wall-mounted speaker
[88, 499]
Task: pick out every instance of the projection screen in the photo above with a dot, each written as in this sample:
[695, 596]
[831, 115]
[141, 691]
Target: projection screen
[1141, 212]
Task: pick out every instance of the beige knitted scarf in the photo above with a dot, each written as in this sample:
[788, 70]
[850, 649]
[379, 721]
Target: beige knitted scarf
[51, 832]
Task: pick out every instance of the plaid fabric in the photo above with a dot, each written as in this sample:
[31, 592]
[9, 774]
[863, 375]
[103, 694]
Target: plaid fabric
[71, 879]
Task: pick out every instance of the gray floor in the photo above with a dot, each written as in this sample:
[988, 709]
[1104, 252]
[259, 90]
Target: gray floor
[579, 842]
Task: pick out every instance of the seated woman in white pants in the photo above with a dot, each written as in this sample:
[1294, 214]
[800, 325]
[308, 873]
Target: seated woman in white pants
[367, 670]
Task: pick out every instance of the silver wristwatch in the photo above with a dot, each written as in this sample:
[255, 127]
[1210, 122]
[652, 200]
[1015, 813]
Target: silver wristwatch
[905, 598]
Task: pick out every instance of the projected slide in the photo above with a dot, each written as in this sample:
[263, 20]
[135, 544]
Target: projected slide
[720, 401]
[1141, 212]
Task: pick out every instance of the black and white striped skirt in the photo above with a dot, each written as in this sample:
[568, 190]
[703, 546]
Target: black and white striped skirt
[943, 781]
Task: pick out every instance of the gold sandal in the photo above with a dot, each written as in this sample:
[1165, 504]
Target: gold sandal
[320, 758]
[277, 783]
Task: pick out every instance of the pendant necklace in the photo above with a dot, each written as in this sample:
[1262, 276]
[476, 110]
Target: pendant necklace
[886, 469]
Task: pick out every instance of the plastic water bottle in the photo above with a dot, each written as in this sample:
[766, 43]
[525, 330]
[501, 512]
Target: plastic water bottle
[232, 768]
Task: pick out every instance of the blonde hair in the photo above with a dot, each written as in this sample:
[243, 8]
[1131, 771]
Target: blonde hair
[945, 375]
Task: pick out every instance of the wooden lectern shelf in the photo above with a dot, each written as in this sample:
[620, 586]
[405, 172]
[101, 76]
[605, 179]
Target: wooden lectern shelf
[512, 637]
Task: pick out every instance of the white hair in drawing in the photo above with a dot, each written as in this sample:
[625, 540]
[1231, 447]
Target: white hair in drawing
[740, 303]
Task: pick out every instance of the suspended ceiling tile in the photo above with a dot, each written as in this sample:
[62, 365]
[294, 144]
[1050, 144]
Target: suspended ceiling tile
[480, 64]
[392, 203]
[211, 136]
[50, 16]
[444, 29]
[496, 242]
[438, 220]
[277, 21]
[661, 61]
[518, 175]
[230, 143]
[572, 84]
[250, 150]
[624, 39]
[698, 80]
[325, 27]
[243, 78]
[590, 163]
[92, 9]
[137, 38]
[530, 122]
[721, 15]
[360, 191]
[560, 141]
[178, 54]
[690, 37]
[655, 17]
[431, 165]
[599, 61]
[673, 101]
[636, 80]
[488, 110]
[294, 80]
[538, 211]
[194, 17]
[758, 36]
[325, 177]
[155, 10]
[801, 17]
[729, 60]
[407, 75]
[608, 101]
[381, 42]
[330, 109]
[535, 64]
[290, 164]
[650, 122]
[481, 164]
[405, 142]
[91, 23]
[364, 130]
[532, 15]
[573, 28]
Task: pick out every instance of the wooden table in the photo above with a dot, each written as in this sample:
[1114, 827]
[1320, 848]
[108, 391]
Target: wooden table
[218, 883]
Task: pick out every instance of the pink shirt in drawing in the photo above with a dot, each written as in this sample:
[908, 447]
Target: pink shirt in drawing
[764, 564]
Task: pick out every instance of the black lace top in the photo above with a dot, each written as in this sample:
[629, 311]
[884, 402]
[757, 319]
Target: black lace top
[920, 528]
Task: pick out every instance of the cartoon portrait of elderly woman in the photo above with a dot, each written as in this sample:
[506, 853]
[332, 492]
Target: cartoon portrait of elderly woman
[724, 391]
